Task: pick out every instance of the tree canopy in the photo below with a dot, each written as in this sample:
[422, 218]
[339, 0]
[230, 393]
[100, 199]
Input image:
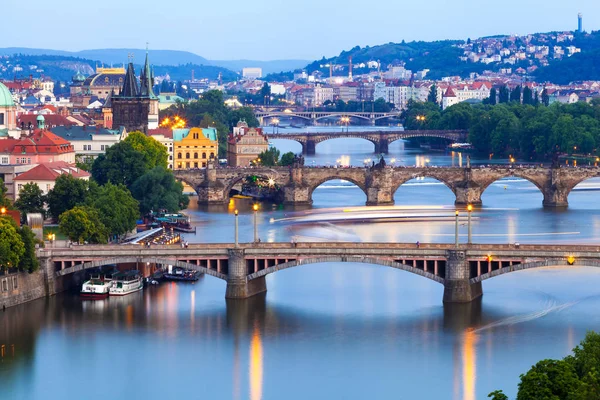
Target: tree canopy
[31, 200]
[82, 224]
[117, 208]
[67, 193]
[122, 164]
[158, 190]
[12, 248]
[155, 154]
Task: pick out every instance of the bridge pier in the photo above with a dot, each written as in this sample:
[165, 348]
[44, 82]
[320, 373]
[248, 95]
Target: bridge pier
[238, 285]
[309, 148]
[382, 146]
[380, 196]
[457, 287]
[467, 193]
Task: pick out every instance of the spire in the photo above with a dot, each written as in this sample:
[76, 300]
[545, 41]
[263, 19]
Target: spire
[147, 79]
[108, 101]
[130, 87]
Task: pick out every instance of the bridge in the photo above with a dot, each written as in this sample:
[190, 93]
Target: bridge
[461, 270]
[297, 183]
[315, 116]
[381, 139]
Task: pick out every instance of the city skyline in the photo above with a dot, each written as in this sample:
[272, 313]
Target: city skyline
[253, 31]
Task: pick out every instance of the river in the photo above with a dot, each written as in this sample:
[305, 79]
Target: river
[343, 331]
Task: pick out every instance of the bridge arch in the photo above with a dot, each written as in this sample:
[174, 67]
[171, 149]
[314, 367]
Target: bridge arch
[143, 259]
[283, 115]
[572, 184]
[404, 194]
[345, 135]
[552, 262]
[339, 115]
[398, 182]
[316, 183]
[338, 259]
[267, 173]
[513, 173]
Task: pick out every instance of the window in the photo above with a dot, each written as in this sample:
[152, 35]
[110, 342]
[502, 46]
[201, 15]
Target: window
[170, 158]
[19, 187]
[178, 155]
[204, 156]
[4, 160]
[1, 118]
[187, 155]
[5, 285]
[212, 155]
[15, 286]
[187, 164]
[195, 135]
[195, 165]
[195, 155]
[203, 165]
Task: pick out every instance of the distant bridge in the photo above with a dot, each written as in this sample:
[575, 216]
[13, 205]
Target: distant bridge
[381, 139]
[314, 116]
[461, 270]
[297, 183]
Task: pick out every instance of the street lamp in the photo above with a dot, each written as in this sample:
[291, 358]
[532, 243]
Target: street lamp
[255, 208]
[469, 209]
[236, 227]
[3, 211]
[456, 230]
[275, 122]
[345, 121]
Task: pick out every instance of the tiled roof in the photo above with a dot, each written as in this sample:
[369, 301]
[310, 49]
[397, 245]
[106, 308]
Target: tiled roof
[38, 142]
[166, 132]
[50, 120]
[51, 171]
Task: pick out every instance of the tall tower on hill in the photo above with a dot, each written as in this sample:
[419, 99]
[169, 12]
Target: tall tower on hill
[580, 23]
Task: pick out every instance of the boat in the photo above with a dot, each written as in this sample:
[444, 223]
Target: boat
[126, 283]
[98, 286]
[179, 222]
[181, 274]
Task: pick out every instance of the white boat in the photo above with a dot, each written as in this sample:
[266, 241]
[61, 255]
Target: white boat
[126, 283]
[98, 286]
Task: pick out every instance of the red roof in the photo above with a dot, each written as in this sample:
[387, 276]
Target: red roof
[49, 120]
[449, 92]
[39, 142]
[166, 132]
[51, 171]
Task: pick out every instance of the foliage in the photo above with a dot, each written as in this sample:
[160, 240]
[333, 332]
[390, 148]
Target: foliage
[29, 261]
[12, 248]
[67, 193]
[155, 154]
[122, 164]
[158, 190]
[82, 224]
[4, 201]
[31, 200]
[287, 159]
[269, 157]
[432, 96]
[117, 208]
[498, 395]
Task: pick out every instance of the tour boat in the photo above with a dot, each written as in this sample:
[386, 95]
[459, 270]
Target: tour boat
[181, 274]
[126, 283]
[98, 286]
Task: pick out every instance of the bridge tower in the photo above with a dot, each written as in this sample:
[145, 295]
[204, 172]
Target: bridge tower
[238, 285]
[457, 288]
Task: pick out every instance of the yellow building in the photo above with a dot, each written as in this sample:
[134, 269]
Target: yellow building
[193, 148]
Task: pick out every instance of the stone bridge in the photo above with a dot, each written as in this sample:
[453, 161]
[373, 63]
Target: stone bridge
[314, 116]
[381, 139]
[461, 270]
[298, 183]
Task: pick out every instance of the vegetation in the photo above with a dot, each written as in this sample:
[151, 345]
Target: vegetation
[12, 247]
[31, 200]
[270, 158]
[528, 132]
[575, 377]
[117, 208]
[4, 201]
[67, 193]
[82, 224]
[210, 110]
[157, 190]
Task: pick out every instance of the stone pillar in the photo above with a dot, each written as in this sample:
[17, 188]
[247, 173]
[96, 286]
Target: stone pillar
[457, 288]
[238, 285]
[381, 146]
[309, 147]
[380, 196]
[211, 190]
[555, 195]
[296, 192]
[379, 186]
[468, 193]
[47, 266]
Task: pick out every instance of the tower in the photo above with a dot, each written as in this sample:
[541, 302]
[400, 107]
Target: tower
[146, 84]
[580, 23]
[350, 68]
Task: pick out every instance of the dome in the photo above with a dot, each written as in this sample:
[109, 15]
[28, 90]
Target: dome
[6, 99]
[40, 118]
[78, 77]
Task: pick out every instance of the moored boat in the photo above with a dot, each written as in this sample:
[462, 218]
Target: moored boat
[181, 274]
[98, 286]
[126, 283]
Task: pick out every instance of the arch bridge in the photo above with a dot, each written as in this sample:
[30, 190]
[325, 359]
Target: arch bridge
[381, 139]
[297, 183]
[315, 116]
[461, 270]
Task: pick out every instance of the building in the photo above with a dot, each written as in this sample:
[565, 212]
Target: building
[8, 113]
[40, 146]
[44, 176]
[166, 100]
[449, 98]
[164, 136]
[135, 107]
[89, 141]
[193, 148]
[252, 73]
[245, 144]
[100, 84]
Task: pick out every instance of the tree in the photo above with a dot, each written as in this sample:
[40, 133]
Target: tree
[158, 190]
[503, 94]
[122, 164]
[498, 395]
[67, 193]
[265, 93]
[29, 261]
[515, 94]
[269, 157]
[549, 380]
[82, 224]
[4, 201]
[545, 97]
[432, 96]
[492, 98]
[287, 159]
[31, 200]
[154, 153]
[527, 95]
[117, 208]
[11, 244]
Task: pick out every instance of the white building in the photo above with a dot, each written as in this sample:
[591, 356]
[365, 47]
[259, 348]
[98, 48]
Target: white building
[251, 73]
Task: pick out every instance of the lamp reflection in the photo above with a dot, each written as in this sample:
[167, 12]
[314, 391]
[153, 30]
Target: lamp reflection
[256, 365]
[469, 364]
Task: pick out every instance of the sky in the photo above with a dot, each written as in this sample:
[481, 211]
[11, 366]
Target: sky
[277, 29]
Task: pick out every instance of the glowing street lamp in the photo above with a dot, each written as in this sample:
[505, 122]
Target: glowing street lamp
[456, 230]
[469, 210]
[236, 227]
[255, 209]
[3, 211]
[345, 121]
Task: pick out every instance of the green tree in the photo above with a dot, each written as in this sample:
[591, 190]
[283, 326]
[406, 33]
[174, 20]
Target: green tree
[67, 193]
[4, 201]
[265, 93]
[29, 261]
[503, 94]
[549, 380]
[545, 97]
[527, 95]
[122, 164]
[432, 96]
[82, 224]
[31, 200]
[117, 208]
[287, 159]
[269, 157]
[493, 95]
[158, 190]
[498, 395]
[515, 94]
[11, 244]
[155, 154]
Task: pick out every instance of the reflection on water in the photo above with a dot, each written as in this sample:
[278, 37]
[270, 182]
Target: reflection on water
[469, 339]
[256, 365]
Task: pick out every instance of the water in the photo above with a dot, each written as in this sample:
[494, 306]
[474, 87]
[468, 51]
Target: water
[328, 330]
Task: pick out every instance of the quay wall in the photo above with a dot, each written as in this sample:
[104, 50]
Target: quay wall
[21, 287]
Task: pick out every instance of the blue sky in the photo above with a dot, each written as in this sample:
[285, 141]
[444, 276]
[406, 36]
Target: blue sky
[276, 29]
